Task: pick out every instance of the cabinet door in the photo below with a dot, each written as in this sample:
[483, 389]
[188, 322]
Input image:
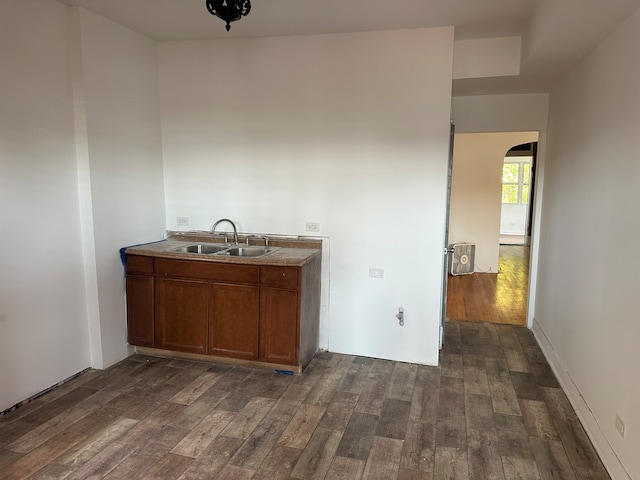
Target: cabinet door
[279, 325]
[140, 310]
[234, 318]
[181, 315]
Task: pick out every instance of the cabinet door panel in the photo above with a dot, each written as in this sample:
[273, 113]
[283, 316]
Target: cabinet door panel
[279, 326]
[181, 315]
[140, 310]
[234, 320]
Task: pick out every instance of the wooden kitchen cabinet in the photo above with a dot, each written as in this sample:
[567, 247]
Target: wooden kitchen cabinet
[140, 310]
[289, 313]
[182, 315]
[248, 312]
[207, 308]
[139, 290]
[279, 325]
[279, 317]
[234, 312]
[205, 318]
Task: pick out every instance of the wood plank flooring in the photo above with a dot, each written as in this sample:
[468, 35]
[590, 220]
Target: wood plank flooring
[490, 297]
[492, 410]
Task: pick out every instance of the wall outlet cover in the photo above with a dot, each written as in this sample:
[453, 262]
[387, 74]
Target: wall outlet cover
[376, 272]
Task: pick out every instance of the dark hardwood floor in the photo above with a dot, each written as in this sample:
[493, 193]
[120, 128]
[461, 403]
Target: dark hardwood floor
[492, 410]
[491, 297]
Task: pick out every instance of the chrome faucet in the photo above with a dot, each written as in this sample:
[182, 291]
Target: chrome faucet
[235, 230]
[264, 237]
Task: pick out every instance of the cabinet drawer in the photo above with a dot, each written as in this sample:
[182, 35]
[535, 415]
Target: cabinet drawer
[280, 276]
[207, 271]
[139, 264]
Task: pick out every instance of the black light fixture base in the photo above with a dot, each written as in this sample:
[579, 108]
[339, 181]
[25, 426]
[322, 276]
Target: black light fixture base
[229, 10]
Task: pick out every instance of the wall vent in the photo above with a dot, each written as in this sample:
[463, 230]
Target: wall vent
[462, 258]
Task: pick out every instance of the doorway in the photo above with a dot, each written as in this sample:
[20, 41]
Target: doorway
[517, 184]
[497, 290]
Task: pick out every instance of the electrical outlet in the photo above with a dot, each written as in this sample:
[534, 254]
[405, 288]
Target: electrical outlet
[312, 227]
[182, 221]
[376, 272]
[620, 427]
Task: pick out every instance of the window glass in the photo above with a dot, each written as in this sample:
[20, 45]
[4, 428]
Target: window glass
[510, 172]
[516, 176]
[509, 193]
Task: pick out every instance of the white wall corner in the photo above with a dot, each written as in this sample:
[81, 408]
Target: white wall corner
[84, 190]
[325, 295]
[590, 423]
[488, 57]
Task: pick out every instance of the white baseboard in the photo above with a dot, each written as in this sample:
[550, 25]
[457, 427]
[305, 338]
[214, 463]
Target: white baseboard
[590, 423]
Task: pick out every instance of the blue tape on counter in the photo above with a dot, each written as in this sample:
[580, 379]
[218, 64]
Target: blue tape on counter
[123, 257]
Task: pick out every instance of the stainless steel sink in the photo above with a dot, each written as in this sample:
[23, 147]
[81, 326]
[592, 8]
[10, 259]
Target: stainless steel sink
[203, 248]
[246, 251]
[213, 249]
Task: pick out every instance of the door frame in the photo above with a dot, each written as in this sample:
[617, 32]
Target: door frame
[445, 267]
[535, 219]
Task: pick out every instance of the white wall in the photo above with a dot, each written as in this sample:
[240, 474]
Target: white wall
[43, 329]
[81, 176]
[476, 192]
[513, 219]
[586, 308]
[347, 130]
[501, 113]
[487, 57]
[120, 162]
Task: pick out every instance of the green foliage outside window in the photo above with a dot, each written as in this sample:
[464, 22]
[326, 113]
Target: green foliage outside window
[510, 172]
[509, 194]
[515, 182]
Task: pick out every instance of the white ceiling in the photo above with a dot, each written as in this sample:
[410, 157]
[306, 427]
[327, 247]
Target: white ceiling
[555, 33]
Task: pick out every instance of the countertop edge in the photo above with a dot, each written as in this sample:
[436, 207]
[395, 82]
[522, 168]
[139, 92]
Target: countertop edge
[283, 256]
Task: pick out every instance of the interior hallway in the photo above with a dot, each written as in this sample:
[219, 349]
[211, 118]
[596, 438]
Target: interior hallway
[490, 297]
[492, 410]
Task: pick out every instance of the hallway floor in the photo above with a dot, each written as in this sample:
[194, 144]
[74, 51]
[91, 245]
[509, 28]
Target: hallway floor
[492, 410]
[491, 297]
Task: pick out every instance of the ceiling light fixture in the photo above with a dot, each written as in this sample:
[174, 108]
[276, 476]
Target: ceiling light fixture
[229, 10]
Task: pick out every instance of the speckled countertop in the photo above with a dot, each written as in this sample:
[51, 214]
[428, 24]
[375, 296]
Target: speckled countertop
[289, 251]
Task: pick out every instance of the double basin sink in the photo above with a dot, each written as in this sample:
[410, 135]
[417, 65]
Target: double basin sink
[225, 250]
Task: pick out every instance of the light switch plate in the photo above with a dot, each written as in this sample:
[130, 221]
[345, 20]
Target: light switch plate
[376, 272]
